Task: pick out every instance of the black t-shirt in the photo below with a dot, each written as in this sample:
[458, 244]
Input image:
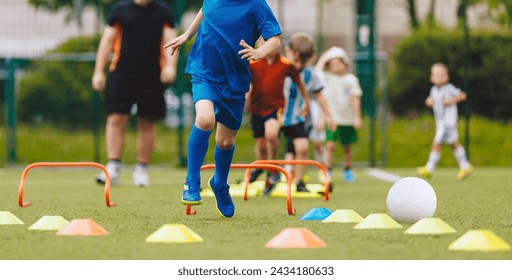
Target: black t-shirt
[141, 34]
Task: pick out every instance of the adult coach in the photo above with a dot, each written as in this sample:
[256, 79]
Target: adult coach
[139, 70]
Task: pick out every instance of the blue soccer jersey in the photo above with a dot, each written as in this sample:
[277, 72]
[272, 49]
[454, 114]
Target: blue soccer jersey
[214, 55]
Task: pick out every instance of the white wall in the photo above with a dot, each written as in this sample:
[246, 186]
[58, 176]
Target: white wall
[25, 31]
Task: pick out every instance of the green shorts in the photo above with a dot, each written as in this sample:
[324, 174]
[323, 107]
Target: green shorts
[344, 134]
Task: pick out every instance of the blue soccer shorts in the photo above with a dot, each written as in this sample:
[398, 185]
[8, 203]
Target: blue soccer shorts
[228, 105]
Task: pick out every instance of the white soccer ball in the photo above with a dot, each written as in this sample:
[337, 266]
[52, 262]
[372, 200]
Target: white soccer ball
[411, 199]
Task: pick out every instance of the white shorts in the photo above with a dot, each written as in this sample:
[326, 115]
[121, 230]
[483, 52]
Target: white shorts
[447, 135]
[315, 134]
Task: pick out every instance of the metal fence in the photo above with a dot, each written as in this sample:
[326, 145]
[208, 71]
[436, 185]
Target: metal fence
[36, 89]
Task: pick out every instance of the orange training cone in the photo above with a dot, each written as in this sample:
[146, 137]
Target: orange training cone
[295, 238]
[83, 227]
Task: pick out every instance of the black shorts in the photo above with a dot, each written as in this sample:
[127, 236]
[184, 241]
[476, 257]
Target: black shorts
[125, 89]
[258, 124]
[293, 132]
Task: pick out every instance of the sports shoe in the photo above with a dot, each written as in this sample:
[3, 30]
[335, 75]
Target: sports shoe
[424, 172]
[268, 189]
[225, 204]
[254, 174]
[140, 176]
[274, 178]
[115, 174]
[301, 187]
[191, 196]
[349, 176]
[330, 189]
[464, 173]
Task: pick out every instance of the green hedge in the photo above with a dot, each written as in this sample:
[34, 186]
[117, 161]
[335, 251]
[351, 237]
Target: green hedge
[490, 69]
[59, 92]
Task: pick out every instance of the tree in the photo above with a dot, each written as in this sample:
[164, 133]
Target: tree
[413, 17]
[75, 8]
[501, 12]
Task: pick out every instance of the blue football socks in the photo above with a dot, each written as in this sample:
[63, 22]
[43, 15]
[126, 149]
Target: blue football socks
[223, 159]
[197, 148]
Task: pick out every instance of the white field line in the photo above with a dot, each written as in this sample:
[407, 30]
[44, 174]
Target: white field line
[383, 175]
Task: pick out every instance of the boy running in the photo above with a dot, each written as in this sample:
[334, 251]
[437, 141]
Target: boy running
[218, 63]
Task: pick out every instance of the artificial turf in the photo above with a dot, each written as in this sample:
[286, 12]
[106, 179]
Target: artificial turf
[480, 202]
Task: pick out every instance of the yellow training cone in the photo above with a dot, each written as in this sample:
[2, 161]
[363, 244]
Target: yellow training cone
[174, 233]
[378, 221]
[343, 216]
[49, 223]
[430, 226]
[479, 240]
[7, 218]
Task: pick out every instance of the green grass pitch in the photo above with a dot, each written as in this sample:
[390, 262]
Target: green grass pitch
[483, 201]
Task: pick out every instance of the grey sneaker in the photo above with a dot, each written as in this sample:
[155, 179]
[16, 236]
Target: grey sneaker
[274, 178]
[114, 170]
[140, 176]
[254, 175]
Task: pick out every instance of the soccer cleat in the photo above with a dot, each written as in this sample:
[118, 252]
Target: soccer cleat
[115, 174]
[330, 189]
[423, 172]
[268, 189]
[191, 196]
[349, 176]
[225, 204]
[140, 176]
[254, 175]
[464, 173]
[301, 187]
[274, 178]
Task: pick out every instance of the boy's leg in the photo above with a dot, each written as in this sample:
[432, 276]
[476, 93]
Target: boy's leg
[348, 174]
[301, 152]
[223, 156]
[272, 129]
[114, 141]
[146, 135]
[197, 148]
[460, 155]
[261, 153]
[258, 132]
[465, 167]
[433, 158]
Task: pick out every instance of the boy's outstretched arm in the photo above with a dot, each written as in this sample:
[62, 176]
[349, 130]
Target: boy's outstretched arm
[429, 102]
[320, 64]
[271, 46]
[459, 98]
[191, 31]
[325, 110]
[168, 73]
